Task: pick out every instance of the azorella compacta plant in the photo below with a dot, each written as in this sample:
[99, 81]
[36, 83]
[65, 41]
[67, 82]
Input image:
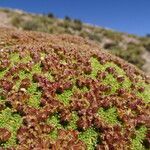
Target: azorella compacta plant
[63, 92]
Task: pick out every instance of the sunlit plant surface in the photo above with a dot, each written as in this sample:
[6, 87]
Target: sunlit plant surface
[60, 92]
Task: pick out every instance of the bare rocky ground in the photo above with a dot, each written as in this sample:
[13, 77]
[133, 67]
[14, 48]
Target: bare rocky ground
[5, 20]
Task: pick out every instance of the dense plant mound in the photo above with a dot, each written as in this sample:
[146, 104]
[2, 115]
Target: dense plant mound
[62, 92]
[127, 46]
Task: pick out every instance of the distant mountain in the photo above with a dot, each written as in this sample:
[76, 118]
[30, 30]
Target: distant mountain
[132, 48]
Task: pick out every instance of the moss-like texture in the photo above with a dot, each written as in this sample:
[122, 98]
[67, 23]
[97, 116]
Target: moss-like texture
[73, 122]
[110, 79]
[96, 66]
[110, 115]
[62, 90]
[89, 137]
[65, 97]
[145, 95]
[12, 122]
[35, 95]
[55, 121]
[138, 140]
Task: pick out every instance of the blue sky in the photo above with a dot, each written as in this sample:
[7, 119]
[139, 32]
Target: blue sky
[132, 16]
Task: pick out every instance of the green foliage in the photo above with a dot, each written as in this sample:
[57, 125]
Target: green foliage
[35, 95]
[109, 115]
[14, 57]
[22, 75]
[65, 96]
[2, 99]
[72, 124]
[36, 68]
[144, 95]
[49, 76]
[33, 88]
[96, 66]
[34, 100]
[126, 84]
[3, 72]
[109, 80]
[54, 121]
[54, 134]
[89, 137]
[12, 122]
[137, 141]
[26, 59]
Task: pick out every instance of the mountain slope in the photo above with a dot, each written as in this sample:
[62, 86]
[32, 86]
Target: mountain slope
[129, 47]
[64, 92]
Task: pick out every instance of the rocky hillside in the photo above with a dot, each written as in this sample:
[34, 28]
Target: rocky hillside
[63, 92]
[132, 48]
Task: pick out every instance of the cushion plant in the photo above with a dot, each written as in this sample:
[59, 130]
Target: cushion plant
[64, 92]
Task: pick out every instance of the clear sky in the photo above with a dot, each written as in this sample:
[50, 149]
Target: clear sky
[132, 16]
